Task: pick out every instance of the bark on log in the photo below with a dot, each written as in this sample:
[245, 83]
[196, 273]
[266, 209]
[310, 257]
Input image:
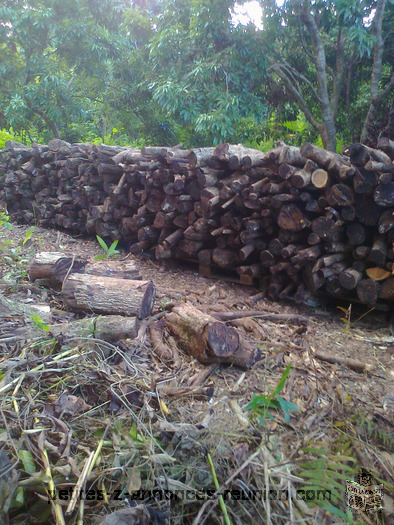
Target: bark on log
[91, 293]
[109, 328]
[50, 265]
[319, 155]
[209, 340]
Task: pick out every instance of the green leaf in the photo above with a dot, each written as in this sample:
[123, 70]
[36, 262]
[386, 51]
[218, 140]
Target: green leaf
[19, 496]
[286, 407]
[337, 512]
[102, 243]
[28, 234]
[37, 321]
[133, 432]
[257, 401]
[112, 249]
[281, 382]
[98, 257]
[28, 461]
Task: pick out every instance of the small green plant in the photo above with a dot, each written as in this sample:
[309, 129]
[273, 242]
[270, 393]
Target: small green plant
[28, 234]
[109, 250]
[347, 318]
[13, 253]
[6, 224]
[39, 323]
[217, 487]
[5, 220]
[326, 471]
[163, 305]
[135, 435]
[260, 405]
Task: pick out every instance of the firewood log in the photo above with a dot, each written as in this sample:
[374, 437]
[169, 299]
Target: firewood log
[209, 340]
[91, 293]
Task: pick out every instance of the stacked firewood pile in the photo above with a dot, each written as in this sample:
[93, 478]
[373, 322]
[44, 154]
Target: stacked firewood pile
[304, 219]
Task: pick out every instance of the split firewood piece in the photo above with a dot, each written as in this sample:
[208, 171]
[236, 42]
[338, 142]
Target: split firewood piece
[378, 274]
[208, 340]
[92, 293]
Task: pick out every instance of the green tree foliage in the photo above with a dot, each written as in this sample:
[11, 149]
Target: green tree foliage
[214, 72]
[56, 61]
[170, 71]
[324, 52]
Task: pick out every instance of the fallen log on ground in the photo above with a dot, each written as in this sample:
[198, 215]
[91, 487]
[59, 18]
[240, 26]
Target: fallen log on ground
[55, 266]
[353, 364]
[109, 328]
[108, 295]
[208, 340]
[290, 318]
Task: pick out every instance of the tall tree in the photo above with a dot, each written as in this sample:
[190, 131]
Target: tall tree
[311, 45]
[206, 72]
[377, 93]
[52, 54]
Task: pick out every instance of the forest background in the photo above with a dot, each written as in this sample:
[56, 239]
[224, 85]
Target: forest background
[165, 72]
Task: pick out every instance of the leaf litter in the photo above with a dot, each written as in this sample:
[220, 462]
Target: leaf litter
[133, 434]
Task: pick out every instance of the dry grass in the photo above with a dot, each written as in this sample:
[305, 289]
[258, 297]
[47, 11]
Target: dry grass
[86, 414]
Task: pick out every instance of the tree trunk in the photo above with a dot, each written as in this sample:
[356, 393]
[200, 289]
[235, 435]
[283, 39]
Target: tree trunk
[368, 131]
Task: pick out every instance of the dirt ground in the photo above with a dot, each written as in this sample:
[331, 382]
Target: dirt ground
[341, 411]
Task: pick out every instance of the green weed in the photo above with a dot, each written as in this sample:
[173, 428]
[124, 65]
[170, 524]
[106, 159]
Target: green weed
[260, 405]
[109, 250]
